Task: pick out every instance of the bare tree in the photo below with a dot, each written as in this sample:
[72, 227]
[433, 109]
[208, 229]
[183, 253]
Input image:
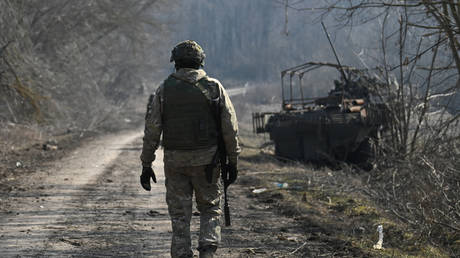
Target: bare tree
[76, 61]
[417, 69]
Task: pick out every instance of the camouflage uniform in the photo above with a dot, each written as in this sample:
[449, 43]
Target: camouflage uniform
[185, 169]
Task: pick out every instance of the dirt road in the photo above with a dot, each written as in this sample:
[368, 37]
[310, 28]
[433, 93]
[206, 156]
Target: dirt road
[90, 204]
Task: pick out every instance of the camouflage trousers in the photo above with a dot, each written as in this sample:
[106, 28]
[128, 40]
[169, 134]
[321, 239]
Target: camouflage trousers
[181, 183]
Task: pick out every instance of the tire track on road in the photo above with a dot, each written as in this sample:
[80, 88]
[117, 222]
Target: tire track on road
[89, 204]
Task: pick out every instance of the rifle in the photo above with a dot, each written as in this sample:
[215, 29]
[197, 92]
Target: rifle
[221, 154]
[225, 175]
[220, 157]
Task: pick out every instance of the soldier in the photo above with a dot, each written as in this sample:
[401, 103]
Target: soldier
[182, 110]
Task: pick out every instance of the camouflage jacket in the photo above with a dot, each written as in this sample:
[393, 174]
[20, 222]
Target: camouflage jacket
[184, 158]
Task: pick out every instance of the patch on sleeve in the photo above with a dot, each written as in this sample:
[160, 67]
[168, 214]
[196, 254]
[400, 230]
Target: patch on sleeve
[149, 106]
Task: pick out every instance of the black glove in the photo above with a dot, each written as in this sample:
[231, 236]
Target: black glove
[147, 173]
[232, 173]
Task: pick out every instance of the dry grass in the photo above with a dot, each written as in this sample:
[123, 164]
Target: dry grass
[344, 203]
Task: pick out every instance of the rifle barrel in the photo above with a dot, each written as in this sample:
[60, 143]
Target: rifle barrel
[226, 209]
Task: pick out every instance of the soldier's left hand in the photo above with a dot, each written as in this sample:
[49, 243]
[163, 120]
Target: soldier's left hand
[147, 173]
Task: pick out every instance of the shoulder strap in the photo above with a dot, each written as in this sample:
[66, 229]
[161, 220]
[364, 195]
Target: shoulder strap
[200, 84]
[214, 103]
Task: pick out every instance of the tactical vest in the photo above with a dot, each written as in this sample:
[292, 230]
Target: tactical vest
[188, 123]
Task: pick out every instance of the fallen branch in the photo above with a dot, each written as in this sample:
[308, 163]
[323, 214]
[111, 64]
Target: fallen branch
[298, 248]
[446, 225]
[403, 218]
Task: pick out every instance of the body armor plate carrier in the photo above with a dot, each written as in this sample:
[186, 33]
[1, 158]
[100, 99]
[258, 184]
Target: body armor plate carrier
[188, 123]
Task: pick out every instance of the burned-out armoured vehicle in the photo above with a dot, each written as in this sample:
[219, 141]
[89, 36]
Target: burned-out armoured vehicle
[344, 125]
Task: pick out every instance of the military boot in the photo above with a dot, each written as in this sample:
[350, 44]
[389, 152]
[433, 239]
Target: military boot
[207, 251]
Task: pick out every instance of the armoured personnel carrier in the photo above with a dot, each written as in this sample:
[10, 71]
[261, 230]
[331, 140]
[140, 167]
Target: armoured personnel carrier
[343, 125]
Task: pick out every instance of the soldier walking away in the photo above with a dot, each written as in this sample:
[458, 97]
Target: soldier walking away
[198, 123]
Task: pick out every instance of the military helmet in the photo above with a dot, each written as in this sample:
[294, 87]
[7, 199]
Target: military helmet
[188, 50]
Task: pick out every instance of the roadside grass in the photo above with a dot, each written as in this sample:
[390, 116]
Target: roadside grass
[330, 206]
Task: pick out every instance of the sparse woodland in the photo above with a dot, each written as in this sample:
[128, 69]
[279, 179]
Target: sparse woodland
[74, 64]
[416, 61]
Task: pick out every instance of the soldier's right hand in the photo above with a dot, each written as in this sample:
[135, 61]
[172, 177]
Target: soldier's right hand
[232, 173]
[147, 173]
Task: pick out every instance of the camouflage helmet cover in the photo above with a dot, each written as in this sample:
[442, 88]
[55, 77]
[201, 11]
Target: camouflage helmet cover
[188, 50]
